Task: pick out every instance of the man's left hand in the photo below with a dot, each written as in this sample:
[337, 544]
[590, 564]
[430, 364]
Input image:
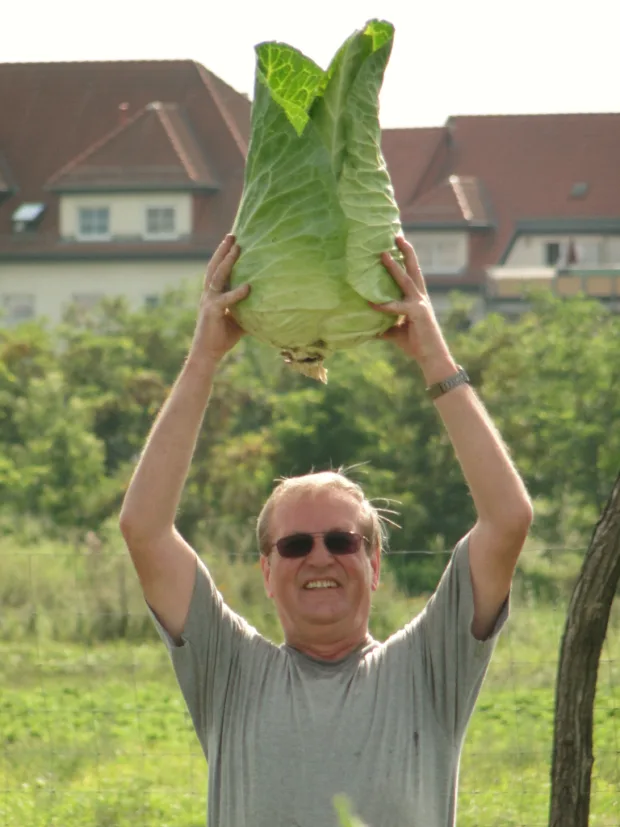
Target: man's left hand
[417, 332]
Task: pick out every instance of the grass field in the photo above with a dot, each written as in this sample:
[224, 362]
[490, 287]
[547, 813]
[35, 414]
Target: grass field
[94, 732]
[98, 735]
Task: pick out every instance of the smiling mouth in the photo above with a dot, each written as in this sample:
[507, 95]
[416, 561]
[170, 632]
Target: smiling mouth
[321, 584]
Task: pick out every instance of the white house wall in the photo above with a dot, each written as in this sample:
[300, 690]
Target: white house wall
[529, 251]
[127, 211]
[56, 285]
[613, 249]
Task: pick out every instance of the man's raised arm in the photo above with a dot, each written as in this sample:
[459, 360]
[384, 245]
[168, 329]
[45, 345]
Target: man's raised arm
[502, 503]
[164, 561]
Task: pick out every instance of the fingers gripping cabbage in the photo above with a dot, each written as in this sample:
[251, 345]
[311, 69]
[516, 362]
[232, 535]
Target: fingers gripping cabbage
[318, 206]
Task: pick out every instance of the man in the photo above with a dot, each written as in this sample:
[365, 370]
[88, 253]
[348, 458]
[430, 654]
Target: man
[331, 711]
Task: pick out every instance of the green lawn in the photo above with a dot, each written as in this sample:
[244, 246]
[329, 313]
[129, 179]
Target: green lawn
[98, 735]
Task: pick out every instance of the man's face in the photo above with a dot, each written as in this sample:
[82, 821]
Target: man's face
[325, 614]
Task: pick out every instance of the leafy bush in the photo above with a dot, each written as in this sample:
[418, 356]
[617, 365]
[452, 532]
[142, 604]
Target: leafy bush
[77, 403]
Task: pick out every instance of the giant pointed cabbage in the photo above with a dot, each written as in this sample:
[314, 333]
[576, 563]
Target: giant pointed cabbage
[318, 206]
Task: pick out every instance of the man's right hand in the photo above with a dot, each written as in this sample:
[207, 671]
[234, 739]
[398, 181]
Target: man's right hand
[217, 332]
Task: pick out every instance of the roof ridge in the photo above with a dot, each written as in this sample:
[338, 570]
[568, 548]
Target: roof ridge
[134, 61]
[459, 193]
[429, 165]
[489, 115]
[392, 129]
[113, 133]
[175, 140]
[205, 76]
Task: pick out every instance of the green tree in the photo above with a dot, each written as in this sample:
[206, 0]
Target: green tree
[60, 462]
[552, 382]
[77, 403]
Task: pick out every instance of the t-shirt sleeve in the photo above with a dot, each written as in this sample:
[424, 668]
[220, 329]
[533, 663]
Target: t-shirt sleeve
[206, 654]
[454, 661]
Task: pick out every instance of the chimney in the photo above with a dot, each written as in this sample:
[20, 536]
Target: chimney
[123, 109]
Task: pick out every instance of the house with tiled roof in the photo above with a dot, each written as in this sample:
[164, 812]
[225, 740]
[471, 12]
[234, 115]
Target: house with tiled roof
[115, 178]
[120, 178]
[496, 205]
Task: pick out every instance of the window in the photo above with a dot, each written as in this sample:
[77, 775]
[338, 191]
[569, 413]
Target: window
[17, 307]
[439, 255]
[587, 252]
[86, 301]
[160, 222]
[94, 223]
[552, 253]
[445, 254]
[151, 301]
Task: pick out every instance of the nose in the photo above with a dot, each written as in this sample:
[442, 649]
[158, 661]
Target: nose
[320, 555]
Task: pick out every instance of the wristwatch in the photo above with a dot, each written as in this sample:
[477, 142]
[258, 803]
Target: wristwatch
[439, 388]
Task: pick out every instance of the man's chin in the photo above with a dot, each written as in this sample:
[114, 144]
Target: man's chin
[324, 615]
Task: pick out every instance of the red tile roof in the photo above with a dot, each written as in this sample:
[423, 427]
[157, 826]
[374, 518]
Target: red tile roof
[52, 113]
[88, 124]
[233, 107]
[155, 148]
[529, 165]
[511, 169]
[408, 153]
[6, 181]
[456, 201]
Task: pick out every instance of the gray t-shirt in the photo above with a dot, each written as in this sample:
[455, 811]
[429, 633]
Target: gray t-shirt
[284, 732]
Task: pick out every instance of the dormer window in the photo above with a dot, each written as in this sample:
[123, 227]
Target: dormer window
[27, 216]
[579, 189]
[94, 223]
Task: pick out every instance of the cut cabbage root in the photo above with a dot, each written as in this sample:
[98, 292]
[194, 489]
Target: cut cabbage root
[313, 367]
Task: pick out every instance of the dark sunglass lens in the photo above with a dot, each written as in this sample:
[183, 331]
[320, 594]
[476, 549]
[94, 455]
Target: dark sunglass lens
[297, 545]
[342, 542]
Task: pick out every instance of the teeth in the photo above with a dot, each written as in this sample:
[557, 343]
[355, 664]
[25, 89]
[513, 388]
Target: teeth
[321, 584]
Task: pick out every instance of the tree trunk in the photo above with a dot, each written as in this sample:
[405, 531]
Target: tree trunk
[584, 634]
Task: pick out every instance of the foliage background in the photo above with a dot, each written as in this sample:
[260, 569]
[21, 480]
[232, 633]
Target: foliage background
[77, 403]
[91, 720]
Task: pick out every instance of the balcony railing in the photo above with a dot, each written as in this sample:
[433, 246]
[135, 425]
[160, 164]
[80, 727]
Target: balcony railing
[515, 283]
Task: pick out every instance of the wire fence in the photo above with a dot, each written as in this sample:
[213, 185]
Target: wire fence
[94, 730]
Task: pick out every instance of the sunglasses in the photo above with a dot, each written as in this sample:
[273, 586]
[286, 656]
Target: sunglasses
[336, 542]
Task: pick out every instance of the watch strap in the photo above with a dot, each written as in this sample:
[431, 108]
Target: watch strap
[439, 388]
